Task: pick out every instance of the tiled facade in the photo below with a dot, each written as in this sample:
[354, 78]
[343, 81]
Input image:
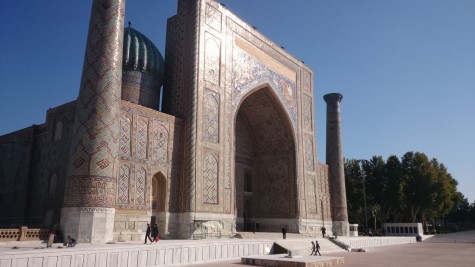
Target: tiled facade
[238, 146]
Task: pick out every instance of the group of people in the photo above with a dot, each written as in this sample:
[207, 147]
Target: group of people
[315, 249]
[151, 234]
[315, 245]
[56, 236]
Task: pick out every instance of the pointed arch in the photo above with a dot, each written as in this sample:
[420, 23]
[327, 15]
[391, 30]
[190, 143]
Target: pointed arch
[265, 148]
[270, 87]
[159, 192]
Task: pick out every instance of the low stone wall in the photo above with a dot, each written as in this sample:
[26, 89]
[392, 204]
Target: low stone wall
[23, 234]
[171, 253]
[363, 242]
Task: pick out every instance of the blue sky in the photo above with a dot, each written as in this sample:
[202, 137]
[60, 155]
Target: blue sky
[406, 68]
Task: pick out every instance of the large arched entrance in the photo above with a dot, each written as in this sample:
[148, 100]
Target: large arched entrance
[265, 168]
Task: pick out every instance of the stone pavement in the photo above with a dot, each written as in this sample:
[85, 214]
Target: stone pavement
[456, 249]
[441, 250]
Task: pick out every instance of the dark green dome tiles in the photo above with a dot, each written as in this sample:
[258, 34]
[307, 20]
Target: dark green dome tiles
[141, 54]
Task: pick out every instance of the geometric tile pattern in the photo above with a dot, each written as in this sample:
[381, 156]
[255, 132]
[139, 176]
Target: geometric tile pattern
[211, 117]
[306, 81]
[190, 69]
[311, 204]
[90, 191]
[140, 186]
[213, 17]
[160, 143]
[142, 139]
[309, 160]
[248, 72]
[123, 181]
[210, 179]
[307, 112]
[95, 142]
[324, 188]
[125, 137]
[96, 126]
[212, 60]
[275, 189]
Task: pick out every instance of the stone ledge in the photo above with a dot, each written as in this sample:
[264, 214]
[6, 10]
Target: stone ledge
[282, 260]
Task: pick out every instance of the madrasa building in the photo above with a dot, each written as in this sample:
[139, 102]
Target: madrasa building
[232, 149]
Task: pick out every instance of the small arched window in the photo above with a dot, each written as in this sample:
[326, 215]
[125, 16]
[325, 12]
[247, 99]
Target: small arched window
[159, 192]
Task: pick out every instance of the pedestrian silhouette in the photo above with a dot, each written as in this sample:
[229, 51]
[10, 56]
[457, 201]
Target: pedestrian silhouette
[317, 248]
[324, 230]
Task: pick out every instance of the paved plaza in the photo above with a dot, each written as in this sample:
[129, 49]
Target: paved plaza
[456, 249]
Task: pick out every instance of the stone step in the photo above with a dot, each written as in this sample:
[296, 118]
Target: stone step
[271, 235]
[298, 243]
[303, 246]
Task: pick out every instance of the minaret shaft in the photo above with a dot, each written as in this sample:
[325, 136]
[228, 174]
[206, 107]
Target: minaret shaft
[334, 160]
[90, 196]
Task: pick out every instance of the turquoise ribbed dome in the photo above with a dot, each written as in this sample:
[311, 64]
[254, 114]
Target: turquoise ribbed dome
[140, 54]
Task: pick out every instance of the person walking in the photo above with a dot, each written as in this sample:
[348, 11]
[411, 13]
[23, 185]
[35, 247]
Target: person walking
[147, 234]
[155, 233]
[51, 235]
[324, 230]
[284, 232]
[317, 248]
[313, 249]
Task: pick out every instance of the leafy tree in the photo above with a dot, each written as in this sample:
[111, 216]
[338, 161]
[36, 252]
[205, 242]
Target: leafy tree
[409, 189]
[354, 191]
[394, 194]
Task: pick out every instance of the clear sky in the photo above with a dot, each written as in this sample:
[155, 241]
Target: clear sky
[406, 68]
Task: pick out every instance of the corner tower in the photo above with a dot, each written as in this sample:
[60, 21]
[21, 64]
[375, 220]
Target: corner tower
[90, 195]
[334, 160]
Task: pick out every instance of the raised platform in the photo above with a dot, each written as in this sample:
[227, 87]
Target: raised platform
[164, 253]
[281, 260]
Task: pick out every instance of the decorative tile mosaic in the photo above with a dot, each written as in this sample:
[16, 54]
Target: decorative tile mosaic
[123, 181]
[212, 59]
[140, 185]
[210, 179]
[248, 73]
[211, 117]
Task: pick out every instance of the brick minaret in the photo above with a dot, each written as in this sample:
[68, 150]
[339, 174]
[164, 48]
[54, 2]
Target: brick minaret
[334, 159]
[88, 211]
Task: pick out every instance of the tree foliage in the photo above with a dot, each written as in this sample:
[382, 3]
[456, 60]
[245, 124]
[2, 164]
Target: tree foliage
[413, 188]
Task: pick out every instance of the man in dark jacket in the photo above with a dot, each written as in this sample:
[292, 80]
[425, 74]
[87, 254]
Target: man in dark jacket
[317, 248]
[147, 234]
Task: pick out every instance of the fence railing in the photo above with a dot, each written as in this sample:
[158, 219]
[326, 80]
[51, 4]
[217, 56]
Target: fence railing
[23, 234]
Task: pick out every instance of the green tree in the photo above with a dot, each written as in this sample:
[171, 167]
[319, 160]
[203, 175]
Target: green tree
[354, 191]
[417, 184]
[411, 189]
